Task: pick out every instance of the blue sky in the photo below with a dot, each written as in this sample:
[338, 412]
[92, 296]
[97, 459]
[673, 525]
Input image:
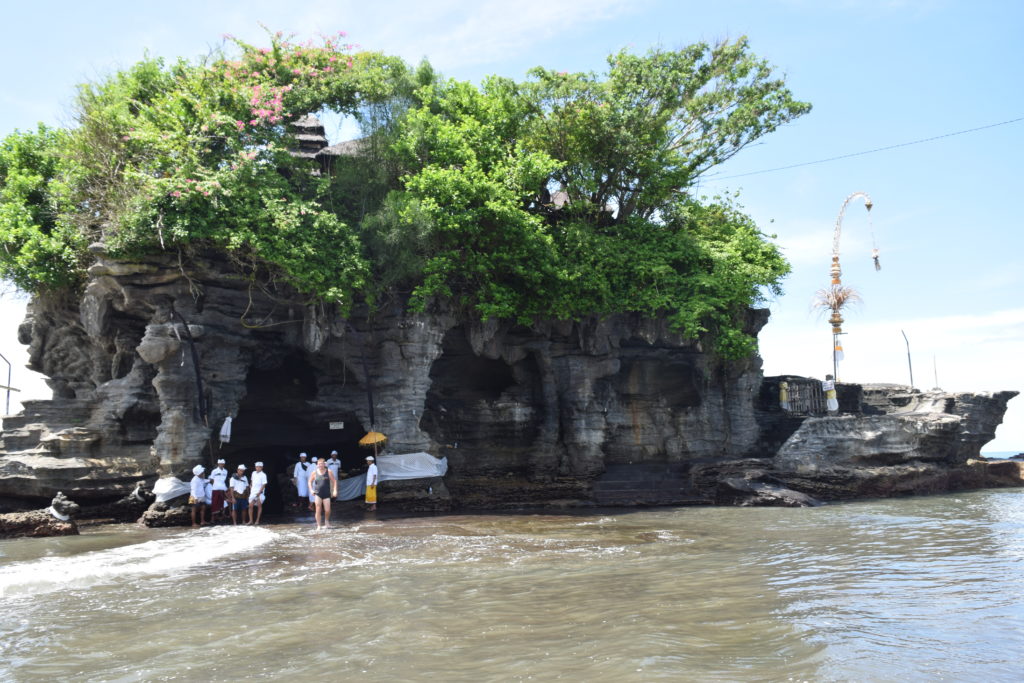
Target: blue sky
[878, 72]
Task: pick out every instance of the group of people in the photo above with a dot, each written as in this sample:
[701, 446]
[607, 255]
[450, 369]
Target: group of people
[221, 492]
[243, 496]
[319, 484]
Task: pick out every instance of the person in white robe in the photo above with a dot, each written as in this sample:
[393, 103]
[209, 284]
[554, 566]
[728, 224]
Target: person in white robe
[300, 477]
[197, 497]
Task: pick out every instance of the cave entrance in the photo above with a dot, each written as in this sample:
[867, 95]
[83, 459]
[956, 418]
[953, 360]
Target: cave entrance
[486, 410]
[279, 418]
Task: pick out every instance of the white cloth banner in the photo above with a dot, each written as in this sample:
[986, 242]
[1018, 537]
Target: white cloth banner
[390, 467]
[225, 430]
[352, 487]
[410, 466]
[168, 488]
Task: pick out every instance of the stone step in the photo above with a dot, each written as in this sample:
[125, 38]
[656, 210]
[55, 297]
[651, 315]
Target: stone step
[67, 412]
[21, 439]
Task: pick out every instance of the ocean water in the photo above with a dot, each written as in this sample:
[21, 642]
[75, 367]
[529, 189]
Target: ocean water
[914, 589]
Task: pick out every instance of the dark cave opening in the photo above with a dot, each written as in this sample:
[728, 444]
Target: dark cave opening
[279, 418]
[487, 411]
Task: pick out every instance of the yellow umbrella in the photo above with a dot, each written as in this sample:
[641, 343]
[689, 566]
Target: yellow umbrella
[372, 439]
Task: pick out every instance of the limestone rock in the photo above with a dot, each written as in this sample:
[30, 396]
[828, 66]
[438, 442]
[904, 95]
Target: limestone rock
[753, 493]
[36, 523]
[158, 351]
[170, 513]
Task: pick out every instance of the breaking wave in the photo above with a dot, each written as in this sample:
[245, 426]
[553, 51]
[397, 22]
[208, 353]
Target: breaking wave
[162, 556]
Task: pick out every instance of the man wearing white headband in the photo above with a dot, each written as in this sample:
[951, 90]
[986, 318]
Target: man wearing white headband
[333, 464]
[257, 494]
[198, 495]
[219, 492]
[238, 484]
[371, 483]
[300, 477]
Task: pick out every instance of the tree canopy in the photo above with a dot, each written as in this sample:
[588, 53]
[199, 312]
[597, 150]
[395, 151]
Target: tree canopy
[563, 195]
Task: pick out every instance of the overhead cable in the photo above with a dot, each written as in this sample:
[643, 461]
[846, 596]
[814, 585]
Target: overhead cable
[857, 154]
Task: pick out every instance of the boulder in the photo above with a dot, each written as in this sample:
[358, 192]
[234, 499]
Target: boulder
[56, 520]
[170, 513]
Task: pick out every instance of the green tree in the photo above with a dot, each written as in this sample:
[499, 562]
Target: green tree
[565, 195]
[39, 248]
[637, 138]
[569, 195]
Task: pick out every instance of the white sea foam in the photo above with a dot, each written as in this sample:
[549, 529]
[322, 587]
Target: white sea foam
[163, 556]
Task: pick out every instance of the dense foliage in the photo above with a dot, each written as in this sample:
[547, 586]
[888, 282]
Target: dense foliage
[564, 195]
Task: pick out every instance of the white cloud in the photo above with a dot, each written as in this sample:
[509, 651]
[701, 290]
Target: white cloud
[453, 33]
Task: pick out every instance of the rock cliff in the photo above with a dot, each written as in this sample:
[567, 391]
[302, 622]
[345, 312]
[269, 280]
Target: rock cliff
[155, 354]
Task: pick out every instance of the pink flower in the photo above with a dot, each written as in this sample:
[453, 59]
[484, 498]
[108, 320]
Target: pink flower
[176, 193]
[239, 125]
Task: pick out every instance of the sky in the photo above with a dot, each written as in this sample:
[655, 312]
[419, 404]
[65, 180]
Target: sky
[880, 74]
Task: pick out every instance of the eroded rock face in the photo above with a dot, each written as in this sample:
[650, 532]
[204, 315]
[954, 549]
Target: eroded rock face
[545, 409]
[901, 441]
[618, 411]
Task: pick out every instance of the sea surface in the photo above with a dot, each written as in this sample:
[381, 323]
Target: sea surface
[914, 589]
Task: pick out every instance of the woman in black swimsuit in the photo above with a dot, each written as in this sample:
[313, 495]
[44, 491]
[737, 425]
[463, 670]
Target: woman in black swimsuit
[324, 487]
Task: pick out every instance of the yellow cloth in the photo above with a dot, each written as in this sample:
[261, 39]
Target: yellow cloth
[831, 393]
[371, 494]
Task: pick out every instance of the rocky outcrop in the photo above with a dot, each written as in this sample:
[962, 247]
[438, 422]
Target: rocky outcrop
[895, 441]
[171, 513]
[56, 520]
[156, 353]
[544, 407]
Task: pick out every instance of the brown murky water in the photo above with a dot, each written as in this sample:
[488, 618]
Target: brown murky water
[910, 589]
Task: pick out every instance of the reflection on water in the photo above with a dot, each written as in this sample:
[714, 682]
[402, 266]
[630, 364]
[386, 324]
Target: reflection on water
[916, 589]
